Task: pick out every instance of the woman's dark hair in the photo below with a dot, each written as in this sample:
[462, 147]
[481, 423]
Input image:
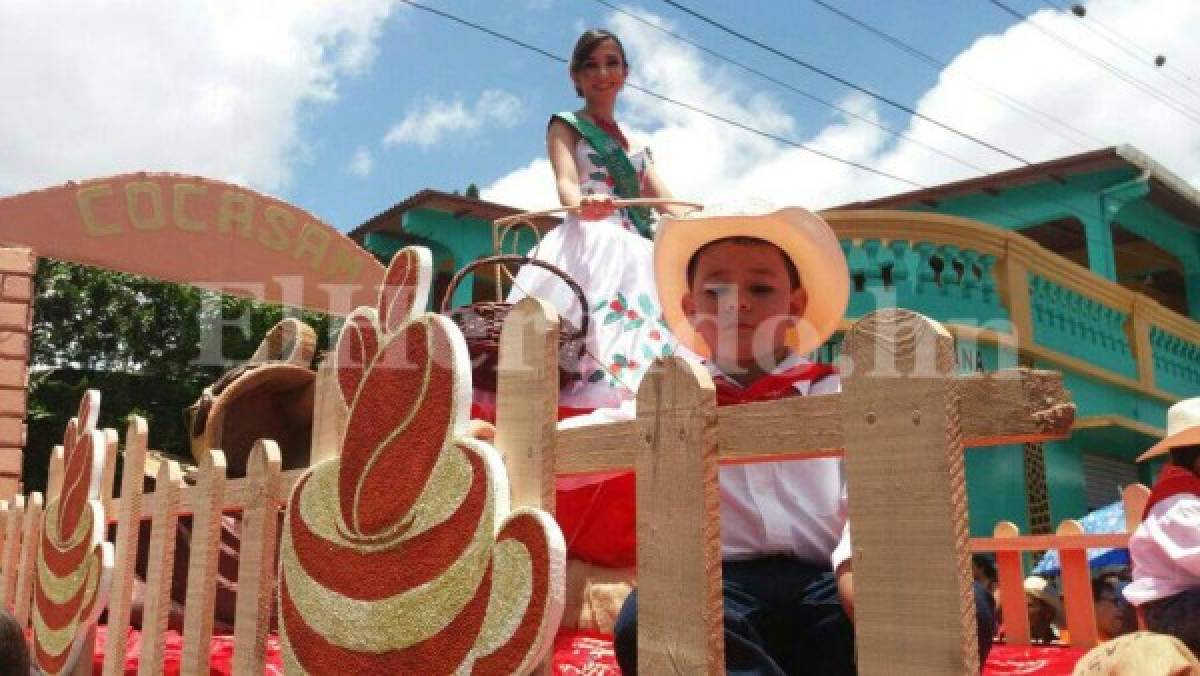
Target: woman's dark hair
[587, 43]
[14, 650]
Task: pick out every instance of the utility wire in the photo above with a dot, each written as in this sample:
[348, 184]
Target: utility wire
[844, 82]
[1146, 53]
[682, 104]
[724, 120]
[794, 89]
[1170, 101]
[941, 65]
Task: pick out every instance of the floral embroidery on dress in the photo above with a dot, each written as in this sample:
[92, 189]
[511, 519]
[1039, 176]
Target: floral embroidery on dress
[597, 181]
[642, 329]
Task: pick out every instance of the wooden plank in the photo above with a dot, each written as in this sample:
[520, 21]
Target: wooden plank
[1009, 406]
[109, 473]
[329, 414]
[678, 523]
[128, 514]
[12, 551]
[54, 474]
[238, 493]
[256, 569]
[1011, 576]
[1139, 341]
[1037, 543]
[904, 456]
[202, 564]
[159, 568]
[1076, 583]
[32, 537]
[3, 532]
[527, 402]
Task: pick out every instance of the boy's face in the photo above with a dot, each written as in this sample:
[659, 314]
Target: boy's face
[742, 303]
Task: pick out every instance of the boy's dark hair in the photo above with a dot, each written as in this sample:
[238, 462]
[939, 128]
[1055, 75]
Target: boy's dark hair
[14, 649]
[986, 566]
[587, 43]
[1185, 456]
[1101, 585]
[793, 275]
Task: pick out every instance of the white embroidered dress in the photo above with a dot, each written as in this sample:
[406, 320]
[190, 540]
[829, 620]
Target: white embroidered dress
[614, 266]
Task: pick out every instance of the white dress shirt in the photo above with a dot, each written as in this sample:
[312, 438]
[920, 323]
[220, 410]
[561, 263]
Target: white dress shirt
[797, 508]
[1165, 550]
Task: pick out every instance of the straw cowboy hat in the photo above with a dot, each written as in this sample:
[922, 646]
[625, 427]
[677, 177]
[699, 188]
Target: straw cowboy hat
[1183, 429]
[1039, 588]
[802, 235]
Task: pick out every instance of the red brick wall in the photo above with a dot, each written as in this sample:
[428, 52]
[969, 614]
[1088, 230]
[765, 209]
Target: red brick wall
[16, 316]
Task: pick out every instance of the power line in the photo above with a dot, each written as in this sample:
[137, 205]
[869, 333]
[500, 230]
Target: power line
[1148, 55]
[796, 90]
[745, 127]
[941, 65]
[1170, 101]
[844, 82]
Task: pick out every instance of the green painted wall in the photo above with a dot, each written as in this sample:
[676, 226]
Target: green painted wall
[996, 488]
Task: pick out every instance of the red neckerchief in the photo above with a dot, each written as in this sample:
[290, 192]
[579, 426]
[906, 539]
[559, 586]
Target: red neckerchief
[1174, 480]
[610, 127]
[771, 386]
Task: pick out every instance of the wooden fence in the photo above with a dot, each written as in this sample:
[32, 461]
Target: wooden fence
[901, 423]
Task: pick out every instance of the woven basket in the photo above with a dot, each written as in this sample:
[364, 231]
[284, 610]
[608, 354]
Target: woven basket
[481, 323]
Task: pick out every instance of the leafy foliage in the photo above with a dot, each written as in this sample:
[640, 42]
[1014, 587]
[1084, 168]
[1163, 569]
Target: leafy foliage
[149, 346]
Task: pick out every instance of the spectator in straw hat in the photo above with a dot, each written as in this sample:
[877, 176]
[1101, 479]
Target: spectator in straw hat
[1046, 617]
[1165, 548]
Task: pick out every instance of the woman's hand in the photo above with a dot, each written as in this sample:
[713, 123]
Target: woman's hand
[596, 207]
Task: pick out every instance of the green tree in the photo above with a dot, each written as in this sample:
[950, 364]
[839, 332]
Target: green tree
[146, 345]
[473, 191]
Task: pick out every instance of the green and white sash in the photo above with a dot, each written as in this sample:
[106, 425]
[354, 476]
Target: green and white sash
[617, 163]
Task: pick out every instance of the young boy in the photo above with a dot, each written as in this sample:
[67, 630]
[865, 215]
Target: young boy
[752, 294]
[1165, 548]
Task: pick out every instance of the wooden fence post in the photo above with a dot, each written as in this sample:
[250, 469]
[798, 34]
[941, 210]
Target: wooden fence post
[12, 551]
[202, 564]
[256, 570]
[527, 402]
[914, 606]
[1077, 589]
[1011, 576]
[32, 537]
[129, 519]
[159, 568]
[680, 629]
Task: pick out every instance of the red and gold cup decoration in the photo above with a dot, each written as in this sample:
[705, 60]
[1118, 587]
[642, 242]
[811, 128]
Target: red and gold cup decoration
[402, 556]
[74, 562]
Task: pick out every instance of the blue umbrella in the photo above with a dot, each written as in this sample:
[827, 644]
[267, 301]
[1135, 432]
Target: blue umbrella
[1107, 519]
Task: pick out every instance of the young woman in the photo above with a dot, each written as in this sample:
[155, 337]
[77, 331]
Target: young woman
[606, 250]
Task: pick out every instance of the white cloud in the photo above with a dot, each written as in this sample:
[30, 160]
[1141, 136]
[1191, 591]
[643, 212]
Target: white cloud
[434, 119]
[361, 163]
[705, 160]
[216, 89]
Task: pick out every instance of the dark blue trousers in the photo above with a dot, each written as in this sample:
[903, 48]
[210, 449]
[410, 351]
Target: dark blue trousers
[782, 618]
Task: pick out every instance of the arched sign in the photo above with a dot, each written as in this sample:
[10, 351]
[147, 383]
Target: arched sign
[196, 231]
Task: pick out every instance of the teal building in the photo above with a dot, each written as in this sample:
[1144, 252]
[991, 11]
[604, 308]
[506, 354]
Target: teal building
[1089, 265]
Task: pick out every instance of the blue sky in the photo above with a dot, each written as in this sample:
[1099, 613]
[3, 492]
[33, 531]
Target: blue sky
[347, 108]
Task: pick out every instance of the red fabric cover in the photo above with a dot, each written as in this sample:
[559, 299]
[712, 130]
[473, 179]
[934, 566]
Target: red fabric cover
[591, 654]
[1173, 480]
[1031, 659]
[220, 653]
[583, 653]
[599, 520]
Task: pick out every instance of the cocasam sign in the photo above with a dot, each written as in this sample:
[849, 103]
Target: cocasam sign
[196, 231]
